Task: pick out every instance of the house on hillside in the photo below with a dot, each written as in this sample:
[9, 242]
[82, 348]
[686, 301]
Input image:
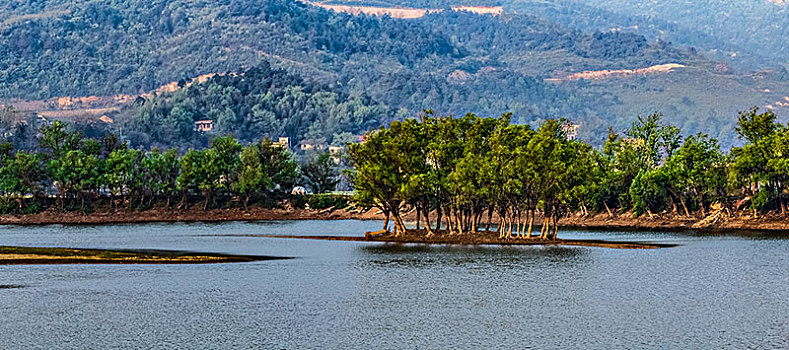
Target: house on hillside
[282, 142]
[204, 125]
[335, 152]
[571, 130]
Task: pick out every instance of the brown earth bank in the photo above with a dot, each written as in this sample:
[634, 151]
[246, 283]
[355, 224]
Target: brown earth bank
[11, 255]
[194, 214]
[716, 222]
[773, 223]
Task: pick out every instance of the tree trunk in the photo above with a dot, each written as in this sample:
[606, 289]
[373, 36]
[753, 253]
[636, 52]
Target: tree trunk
[490, 218]
[418, 216]
[439, 213]
[398, 221]
[502, 224]
[509, 227]
[610, 215]
[531, 221]
[397, 229]
[474, 222]
[685, 207]
[459, 222]
[430, 232]
[386, 221]
[449, 221]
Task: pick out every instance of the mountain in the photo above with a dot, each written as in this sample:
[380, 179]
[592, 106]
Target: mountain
[747, 33]
[445, 59]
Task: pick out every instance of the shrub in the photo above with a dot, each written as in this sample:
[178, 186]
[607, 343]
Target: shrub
[324, 201]
[8, 206]
[31, 207]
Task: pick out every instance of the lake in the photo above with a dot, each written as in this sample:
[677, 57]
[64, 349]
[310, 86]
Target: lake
[712, 291]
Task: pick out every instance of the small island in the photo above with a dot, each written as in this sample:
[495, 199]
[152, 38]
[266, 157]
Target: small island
[11, 255]
[480, 238]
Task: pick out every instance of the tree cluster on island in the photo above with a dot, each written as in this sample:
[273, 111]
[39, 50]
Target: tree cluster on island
[469, 169]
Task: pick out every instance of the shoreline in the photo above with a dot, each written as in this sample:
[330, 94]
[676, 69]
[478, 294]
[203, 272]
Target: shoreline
[180, 215]
[768, 223]
[483, 239]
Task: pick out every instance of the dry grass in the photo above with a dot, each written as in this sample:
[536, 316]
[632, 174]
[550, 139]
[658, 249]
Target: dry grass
[612, 73]
[31, 17]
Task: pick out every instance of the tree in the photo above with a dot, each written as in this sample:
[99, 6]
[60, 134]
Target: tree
[118, 173]
[251, 178]
[190, 176]
[57, 139]
[321, 172]
[22, 174]
[695, 170]
[750, 171]
[75, 173]
[278, 164]
[377, 179]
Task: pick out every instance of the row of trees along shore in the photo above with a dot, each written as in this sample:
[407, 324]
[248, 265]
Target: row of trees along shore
[469, 169]
[77, 170]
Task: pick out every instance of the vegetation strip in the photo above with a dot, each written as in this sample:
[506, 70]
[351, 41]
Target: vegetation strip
[478, 240]
[13, 255]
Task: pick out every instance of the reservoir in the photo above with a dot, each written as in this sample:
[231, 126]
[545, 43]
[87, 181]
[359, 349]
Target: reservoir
[711, 291]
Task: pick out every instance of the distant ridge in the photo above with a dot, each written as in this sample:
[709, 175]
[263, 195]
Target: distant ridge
[402, 12]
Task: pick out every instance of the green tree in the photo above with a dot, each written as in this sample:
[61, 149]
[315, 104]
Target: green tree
[251, 177]
[321, 172]
[190, 175]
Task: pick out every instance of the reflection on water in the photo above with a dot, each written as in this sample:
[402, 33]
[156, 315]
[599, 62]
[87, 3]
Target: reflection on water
[758, 235]
[418, 255]
[712, 291]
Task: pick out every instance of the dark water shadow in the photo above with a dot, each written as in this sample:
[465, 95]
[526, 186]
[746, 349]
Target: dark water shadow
[747, 234]
[689, 232]
[12, 286]
[419, 255]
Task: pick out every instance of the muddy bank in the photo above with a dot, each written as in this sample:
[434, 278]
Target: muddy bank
[771, 223]
[774, 223]
[11, 255]
[189, 215]
[420, 237]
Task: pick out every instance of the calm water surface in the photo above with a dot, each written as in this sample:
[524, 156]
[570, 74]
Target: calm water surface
[711, 292]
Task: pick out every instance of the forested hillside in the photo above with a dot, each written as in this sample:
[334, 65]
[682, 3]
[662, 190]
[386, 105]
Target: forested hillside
[448, 61]
[756, 28]
[252, 104]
